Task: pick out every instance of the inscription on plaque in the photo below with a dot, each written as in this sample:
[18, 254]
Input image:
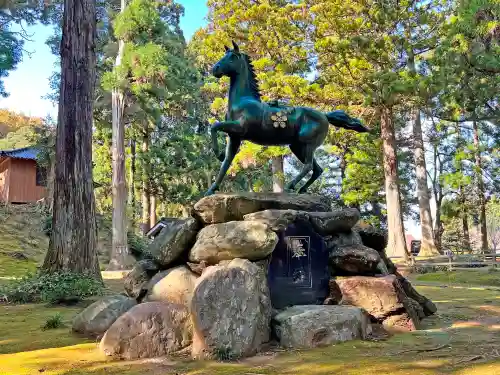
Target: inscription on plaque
[298, 271]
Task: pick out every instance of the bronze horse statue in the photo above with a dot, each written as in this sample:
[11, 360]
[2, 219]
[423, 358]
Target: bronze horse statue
[248, 118]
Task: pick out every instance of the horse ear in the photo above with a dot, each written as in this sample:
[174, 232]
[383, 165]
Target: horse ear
[235, 47]
[226, 48]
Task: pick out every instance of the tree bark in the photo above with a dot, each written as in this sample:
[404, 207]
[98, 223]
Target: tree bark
[152, 215]
[73, 243]
[131, 190]
[119, 250]
[146, 203]
[480, 188]
[463, 200]
[396, 246]
[278, 174]
[428, 246]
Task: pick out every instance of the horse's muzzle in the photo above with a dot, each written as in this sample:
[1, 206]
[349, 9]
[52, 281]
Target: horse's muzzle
[216, 71]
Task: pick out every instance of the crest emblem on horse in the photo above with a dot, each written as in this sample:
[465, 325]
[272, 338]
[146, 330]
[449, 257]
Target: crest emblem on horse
[303, 129]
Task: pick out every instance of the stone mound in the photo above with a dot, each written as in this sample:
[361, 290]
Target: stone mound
[210, 283]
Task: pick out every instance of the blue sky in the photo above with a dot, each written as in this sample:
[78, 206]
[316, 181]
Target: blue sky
[30, 81]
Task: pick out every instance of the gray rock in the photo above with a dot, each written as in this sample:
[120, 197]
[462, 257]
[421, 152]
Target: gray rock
[174, 239]
[343, 239]
[328, 223]
[221, 208]
[148, 330]
[175, 285]
[355, 259]
[310, 326]
[136, 281]
[95, 320]
[230, 310]
[277, 220]
[372, 237]
[251, 240]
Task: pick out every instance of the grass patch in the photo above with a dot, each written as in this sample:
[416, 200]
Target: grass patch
[466, 326]
[473, 277]
[53, 322]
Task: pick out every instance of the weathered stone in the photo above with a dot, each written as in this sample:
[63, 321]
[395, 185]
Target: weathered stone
[379, 296]
[174, 240]
[399, 323]
[343, 239]
[328, 223]
[99, 316]
[355, 259]
[220, 208]
[175, 285]
[251, 240]
[311, 326]
[149, 330]
[298, 273]
[197, 268]
[427, 305]
[136, 281]
[372, 237]
[230, 310]
[278, 220]
[415, 308]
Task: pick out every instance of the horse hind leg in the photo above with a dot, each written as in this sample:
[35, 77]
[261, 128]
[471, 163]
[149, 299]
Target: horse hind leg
[305, 153]
[317, 172]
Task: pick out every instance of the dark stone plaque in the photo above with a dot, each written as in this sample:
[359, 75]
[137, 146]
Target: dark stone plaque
[298, 271]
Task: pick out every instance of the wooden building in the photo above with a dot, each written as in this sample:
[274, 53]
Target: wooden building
[22, 180]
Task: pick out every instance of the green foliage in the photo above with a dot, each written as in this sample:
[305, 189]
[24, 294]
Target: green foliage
[60, 287]
[53, 322]
[224, 354]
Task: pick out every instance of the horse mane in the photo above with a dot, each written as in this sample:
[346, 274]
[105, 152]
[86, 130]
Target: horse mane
[252, 77]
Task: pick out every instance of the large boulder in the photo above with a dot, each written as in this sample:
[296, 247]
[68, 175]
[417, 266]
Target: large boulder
[175, 285]
[174, 239]
[354, 260]
[251, 240]
[382, 298]
[221, 208]
[371, 236]
[343, 239]
[379, 296]
[309, 326]
[278, 220]
[137, 280]
[230, 310]
[327, 223]
[95, 320]
[149, 330]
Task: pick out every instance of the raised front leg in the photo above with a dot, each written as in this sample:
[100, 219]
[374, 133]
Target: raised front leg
[232, 148]
[230, 127]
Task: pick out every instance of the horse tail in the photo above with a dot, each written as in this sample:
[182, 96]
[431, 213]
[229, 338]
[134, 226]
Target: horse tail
[340, 119]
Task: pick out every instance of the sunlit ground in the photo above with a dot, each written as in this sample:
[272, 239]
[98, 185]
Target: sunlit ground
[463, 339]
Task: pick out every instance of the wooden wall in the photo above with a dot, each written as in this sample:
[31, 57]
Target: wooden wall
[22, 182]
[4, 179]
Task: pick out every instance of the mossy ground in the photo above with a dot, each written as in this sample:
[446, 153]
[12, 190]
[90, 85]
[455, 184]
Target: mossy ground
[464, 333]
[483, 276]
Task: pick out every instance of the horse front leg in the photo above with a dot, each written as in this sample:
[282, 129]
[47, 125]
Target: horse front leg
[232, 148]
[229, 127]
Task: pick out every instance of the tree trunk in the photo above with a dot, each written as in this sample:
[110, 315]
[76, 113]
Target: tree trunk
[131, 190]
[119, 250]
[438, 231]
[480, 188]
[465, 230]
[396, 246]
[146, 203]
[278, 174]
[428, 247]
[73, 243]
[152, 214]
[463, 201]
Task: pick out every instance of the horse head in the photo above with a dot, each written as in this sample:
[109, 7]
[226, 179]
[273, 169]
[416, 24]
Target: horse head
[231, 64]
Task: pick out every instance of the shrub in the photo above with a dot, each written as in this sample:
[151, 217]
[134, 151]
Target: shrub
[224, 354]
[53, 322]
[59, 287]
